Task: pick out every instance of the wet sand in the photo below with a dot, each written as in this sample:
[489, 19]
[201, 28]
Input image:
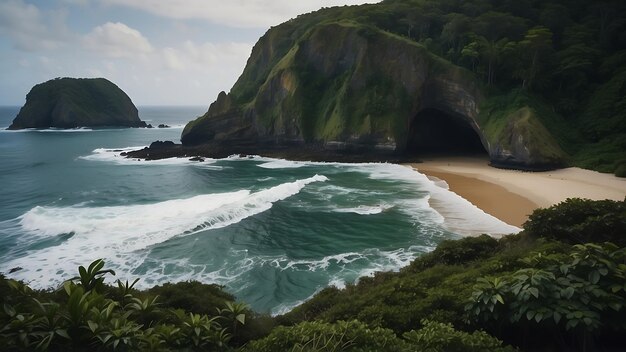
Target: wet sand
[512, 195]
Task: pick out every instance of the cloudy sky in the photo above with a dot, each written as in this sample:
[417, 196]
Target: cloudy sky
[160, 52]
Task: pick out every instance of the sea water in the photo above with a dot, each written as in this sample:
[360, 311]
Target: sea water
[273, 232]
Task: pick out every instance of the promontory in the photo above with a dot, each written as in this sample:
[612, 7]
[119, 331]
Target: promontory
[77, 102]
[399, 79]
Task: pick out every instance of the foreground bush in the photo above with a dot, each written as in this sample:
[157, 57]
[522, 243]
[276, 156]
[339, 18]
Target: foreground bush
[357, 336]
[318, 336]
[572, 298]
[578, 221]
[87, 320]
[440, 337]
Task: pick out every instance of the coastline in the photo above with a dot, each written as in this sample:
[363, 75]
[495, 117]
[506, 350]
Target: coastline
[512, 195]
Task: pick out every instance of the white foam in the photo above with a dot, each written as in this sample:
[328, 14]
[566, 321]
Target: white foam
[452, 211]
[365, 209]
[463, 217]
[87, 129]
[54, 130]
[458, 214]
[113, 155]
[282, 164]
[119, 233]
[375, 260]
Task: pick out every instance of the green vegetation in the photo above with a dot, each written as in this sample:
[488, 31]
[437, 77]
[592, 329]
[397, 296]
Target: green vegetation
[561, 281]
[71, 102]
[562, 61]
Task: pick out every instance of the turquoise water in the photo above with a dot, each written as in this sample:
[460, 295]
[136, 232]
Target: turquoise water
[272, 231]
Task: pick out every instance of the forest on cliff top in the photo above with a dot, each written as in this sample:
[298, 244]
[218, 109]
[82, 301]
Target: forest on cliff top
[564, 59]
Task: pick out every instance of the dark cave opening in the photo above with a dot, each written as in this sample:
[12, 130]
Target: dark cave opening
[435, 132]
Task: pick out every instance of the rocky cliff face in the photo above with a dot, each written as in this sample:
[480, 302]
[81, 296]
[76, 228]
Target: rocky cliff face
[349, 87]
[71, 102]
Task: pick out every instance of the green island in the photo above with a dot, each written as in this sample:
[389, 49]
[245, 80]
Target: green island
[558, 285]
[77, 102]
[540, 85]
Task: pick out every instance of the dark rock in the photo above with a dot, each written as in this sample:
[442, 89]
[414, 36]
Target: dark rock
[197, 158]
[71, 103]
[161, 144]
[16, 269]
[163, 126]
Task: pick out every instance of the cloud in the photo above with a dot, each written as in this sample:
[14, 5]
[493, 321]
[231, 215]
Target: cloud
[30, 29]
[76, 2]
[206, 57]
[234, 13]
[117, 40]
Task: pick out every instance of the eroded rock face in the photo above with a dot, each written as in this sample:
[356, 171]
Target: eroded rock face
[347, 87]
[72, 102]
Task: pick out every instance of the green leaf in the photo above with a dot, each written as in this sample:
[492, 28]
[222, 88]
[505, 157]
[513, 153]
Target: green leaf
[568, 292]
[62, 333]
[578, 314]
[557, 317]
[534, 291]
[499, 298]
[594, 277]
[83, 274]
[9, 309]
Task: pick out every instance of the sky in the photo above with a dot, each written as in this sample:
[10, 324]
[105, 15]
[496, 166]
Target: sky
[160, 52]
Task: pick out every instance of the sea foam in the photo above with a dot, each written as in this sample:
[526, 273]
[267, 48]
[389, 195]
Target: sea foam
[113, 155]
[119, 233]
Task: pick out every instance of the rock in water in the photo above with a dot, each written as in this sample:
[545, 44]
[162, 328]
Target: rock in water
[77, 102]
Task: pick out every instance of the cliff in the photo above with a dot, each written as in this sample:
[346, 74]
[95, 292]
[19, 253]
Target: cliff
[71, 103]
[345, 86]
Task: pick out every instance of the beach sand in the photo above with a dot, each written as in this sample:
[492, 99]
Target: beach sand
[512, 195]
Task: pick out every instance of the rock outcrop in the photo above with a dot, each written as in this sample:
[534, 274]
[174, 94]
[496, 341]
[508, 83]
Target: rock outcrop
[77, 102]
[345, 86]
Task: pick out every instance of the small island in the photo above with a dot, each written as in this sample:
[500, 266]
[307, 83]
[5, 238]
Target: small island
[77, 102]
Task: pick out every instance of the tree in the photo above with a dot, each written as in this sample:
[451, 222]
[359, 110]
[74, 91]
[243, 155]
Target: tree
[488, 53]
[535, 49]
[455, 31]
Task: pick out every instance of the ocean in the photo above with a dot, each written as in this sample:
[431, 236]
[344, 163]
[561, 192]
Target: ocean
[273, 232]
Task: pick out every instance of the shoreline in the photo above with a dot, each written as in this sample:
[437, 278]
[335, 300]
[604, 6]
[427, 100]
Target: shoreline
[512, 195]
[508, 194]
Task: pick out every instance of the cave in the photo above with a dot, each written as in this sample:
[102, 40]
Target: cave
[434, 132]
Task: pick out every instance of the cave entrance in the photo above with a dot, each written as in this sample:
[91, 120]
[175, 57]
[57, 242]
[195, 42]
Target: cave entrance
[434, 132]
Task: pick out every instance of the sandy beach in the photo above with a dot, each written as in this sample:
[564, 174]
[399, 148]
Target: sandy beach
[512, 195]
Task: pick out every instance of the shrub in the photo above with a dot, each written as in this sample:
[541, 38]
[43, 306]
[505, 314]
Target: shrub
[578, 221]
[318, 336]
[457, 252]
[85, 319]
[578, 295]
[440, 337]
